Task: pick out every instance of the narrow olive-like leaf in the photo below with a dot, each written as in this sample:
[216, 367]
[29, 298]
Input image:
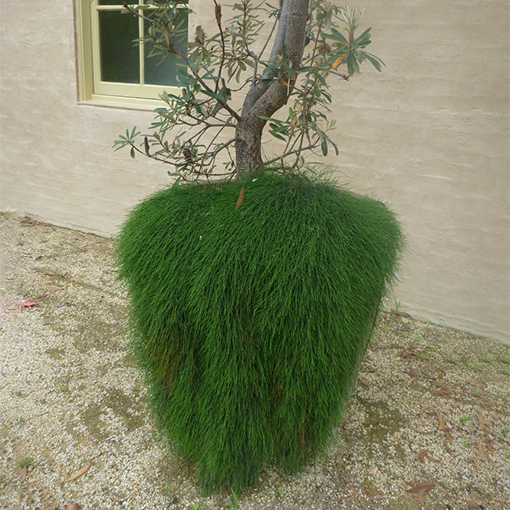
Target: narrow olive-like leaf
[133, 153]
[277, 135]
[336, 36]
[324, 147]
[364, 38]
[281, 129]
[213, 95]
[352, 64]
[376, 62]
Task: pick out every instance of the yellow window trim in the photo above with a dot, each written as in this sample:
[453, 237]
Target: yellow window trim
[94, 91]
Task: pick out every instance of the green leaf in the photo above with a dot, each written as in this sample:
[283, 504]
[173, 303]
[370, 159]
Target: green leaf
[376, 62]
[213, 95]
[281, 129]
[324, 147]
[363, 39]
[119, 144]
[276, 135]
[352, 64]
[133, 153]
[216, 109]
[336, 36]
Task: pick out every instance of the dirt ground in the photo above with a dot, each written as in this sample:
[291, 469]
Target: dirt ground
[428, 425]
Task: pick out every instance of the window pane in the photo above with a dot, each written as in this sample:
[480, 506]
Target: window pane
[160, 70]
[120, 58]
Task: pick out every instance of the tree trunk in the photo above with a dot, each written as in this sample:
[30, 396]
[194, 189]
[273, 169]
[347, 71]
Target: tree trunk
[268, 95]
[248, 144]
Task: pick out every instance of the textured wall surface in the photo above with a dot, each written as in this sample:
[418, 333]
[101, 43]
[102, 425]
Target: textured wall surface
[429, 136]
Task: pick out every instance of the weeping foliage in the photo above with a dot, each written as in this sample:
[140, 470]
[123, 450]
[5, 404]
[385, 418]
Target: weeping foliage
[251, 307]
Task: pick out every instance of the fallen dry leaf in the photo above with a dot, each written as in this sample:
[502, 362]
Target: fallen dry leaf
[365, 383]
[420, 489]
[404, 315]
[373, 471]
[445, 428]
[490, 447]
[73, 506]
[22, 474]
[28, 223]
[240, 199]
[27, 304]
[369, 369]
[481, 452]
[80, 472]
[442, 391]
[482, 425]
[442, 424]
[424, 455]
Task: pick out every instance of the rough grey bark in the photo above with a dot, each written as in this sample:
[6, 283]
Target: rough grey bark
[266, 96]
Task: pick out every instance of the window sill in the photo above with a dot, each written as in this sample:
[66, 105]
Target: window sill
[124, 103]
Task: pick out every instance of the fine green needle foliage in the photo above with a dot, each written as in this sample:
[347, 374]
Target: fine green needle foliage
[252, 304]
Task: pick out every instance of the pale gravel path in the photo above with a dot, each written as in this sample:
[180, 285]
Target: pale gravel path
[69, 397]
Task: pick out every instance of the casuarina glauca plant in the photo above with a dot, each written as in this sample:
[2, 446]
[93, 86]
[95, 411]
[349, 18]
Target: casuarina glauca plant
[253, 297]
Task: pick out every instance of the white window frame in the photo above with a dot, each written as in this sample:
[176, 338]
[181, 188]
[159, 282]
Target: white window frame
[90, 87]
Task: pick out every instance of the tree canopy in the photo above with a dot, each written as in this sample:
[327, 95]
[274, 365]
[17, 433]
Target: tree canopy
[202, 131]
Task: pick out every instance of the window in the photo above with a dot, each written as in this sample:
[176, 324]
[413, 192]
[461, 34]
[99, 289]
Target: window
[114, 67]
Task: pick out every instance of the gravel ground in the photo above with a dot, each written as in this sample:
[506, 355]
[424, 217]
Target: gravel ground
[428, 425]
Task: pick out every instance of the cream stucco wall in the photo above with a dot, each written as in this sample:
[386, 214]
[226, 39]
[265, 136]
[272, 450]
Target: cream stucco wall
[429, 136]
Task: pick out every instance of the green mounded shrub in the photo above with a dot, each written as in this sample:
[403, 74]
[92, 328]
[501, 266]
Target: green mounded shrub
[252, 304]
